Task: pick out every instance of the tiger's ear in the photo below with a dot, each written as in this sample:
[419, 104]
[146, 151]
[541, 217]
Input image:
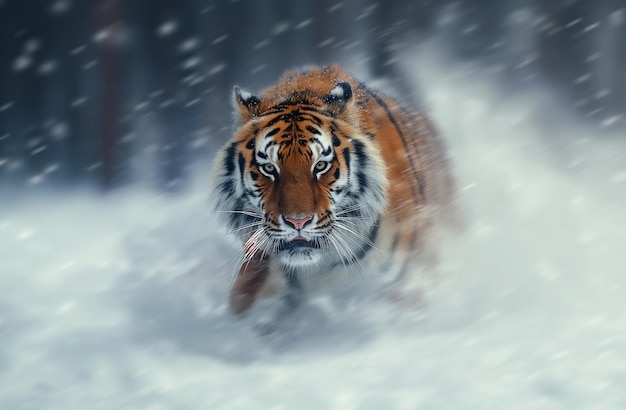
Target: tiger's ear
[339, 96]
[247, 104]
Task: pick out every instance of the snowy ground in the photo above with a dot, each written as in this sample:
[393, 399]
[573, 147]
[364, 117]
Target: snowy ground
[118, 302]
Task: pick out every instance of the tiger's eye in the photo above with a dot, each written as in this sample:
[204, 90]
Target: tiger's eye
[320, 166]
[268, 168]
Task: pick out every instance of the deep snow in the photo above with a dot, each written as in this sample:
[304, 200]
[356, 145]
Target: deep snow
[118, 301]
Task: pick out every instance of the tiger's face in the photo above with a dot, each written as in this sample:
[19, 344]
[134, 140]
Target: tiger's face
[300, 184]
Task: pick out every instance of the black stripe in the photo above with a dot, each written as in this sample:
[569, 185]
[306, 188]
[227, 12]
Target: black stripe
[391, 118]
[242, 168]
[275, 120]
[346, 158]
[227, 187]
[229, 159]
[359, 151]
[303, 112]
[313, 130]
[272, 132]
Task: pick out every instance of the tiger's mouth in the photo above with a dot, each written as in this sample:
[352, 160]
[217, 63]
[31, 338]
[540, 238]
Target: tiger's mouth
[298, 243]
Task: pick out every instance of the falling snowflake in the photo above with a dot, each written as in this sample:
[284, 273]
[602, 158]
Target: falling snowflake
[167, 29]
[618, 17]
[32, 45]
[217, 68]
[78, 50]
[190, 44]
[192, 62]
[326, 42]
[60, 7]
[34, 180]
[262, 44]
[281, 27]
[102, 35]
[591, 27]
[607, 122]
[22, 63]
[51, 168]
[79, 102]
[59, 131]
[47, 67]
[304, 24]
[220, 39]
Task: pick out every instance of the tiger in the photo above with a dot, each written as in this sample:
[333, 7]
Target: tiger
[322, 174]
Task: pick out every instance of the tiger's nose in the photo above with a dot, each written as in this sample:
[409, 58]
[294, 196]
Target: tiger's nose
[299, 221]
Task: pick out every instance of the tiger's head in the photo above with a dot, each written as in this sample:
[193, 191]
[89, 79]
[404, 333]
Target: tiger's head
[301, 181]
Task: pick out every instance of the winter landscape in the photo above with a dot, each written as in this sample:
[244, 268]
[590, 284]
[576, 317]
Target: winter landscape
[118, 299]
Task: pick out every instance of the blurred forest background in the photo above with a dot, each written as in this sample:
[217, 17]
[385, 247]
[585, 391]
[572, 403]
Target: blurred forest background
[104, 92]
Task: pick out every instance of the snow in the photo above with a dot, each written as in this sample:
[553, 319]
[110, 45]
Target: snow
[217, 68]
[607, 122]
[281, 27]
[220, 39]
[190, 44]
[48, 67]
[119, 301]
[304, 23]
[32, 45]
[167, 28]
[192, 62]
[60, 7]
[22, 63]
[617, 17]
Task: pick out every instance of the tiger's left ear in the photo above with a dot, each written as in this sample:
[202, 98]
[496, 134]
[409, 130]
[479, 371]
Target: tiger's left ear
[247, 104]
[339, 96]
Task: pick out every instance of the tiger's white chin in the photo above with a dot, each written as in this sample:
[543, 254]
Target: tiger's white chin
[300, 257]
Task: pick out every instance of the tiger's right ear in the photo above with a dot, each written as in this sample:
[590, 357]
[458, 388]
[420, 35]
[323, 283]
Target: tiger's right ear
[248, 105]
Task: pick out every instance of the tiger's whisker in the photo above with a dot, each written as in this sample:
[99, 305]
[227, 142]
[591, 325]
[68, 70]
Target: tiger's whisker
[351, 258]
[357, 234]
[248, 213]
[244, 227]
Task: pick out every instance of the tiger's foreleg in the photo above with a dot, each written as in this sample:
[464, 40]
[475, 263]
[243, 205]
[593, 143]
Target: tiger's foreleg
[250, 279]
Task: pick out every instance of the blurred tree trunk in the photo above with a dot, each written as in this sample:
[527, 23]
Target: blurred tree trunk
[7, 105]
[168, 26]
[80, 102]
[107, 15]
